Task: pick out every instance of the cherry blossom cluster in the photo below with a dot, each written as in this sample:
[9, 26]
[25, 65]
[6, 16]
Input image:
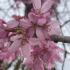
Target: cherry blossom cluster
[29, 37]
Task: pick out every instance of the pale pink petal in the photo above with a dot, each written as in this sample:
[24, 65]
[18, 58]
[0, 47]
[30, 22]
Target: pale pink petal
[49, 67]
[36, 4]
[16, 37]
[4, 44]
[38, 64]
[25, 23]
[1, 44]
[46, 33]
[14, 46]
[54, 28]
[12, 24]
[3, 33]
[7, 44]
[42, 21]
[57, 57]
[30, 32]
[3, 55]
[39, 33]
[46, 6]
[32, 17]
[10, 58]
[47, 15]
[34, 41]
[25, 50]
[2, 24]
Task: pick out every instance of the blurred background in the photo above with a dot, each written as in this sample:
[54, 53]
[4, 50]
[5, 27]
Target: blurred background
[9, 8]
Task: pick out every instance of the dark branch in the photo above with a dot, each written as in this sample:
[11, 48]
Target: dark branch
[65, 23]
[64, 39]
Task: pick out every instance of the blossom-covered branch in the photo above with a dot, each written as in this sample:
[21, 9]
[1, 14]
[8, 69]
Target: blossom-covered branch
[55, 38]
[29, 37]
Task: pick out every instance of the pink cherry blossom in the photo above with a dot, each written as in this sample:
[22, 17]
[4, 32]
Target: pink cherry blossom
[41, 13]
[29, 37]
[12, 43]
[41, 17]
[37, 51]
[42, 54]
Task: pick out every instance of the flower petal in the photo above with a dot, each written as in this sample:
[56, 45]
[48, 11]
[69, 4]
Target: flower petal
[16, 37]
[30, 32]
[25, 23]
[1, 43]
[3, 55]
[54, 28]
[46, 6]
[38, 64]
[12, 24]
[39, 33]
[36, 4]
[25, 50]
[32, 17]
[3, 33]
[42, 21]
[34, 41]
[14, 46]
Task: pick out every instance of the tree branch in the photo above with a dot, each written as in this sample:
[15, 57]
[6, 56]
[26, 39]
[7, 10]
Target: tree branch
[64, 39]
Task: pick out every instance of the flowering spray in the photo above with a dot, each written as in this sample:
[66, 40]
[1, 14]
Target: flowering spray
[28, 37]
